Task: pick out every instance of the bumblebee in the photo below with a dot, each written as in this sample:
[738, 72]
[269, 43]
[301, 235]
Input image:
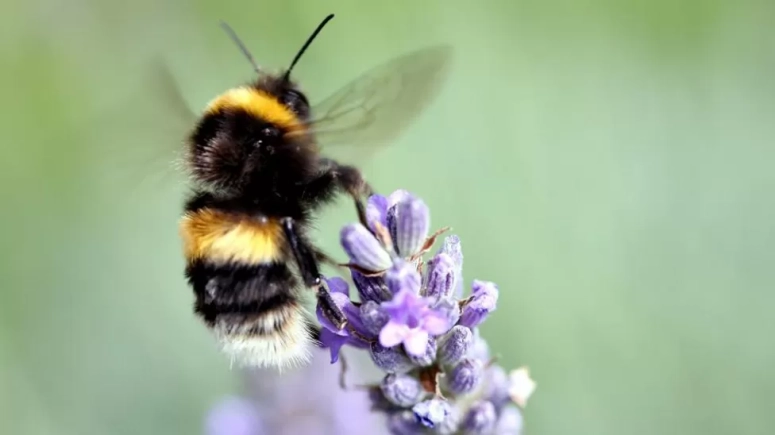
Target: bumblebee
[258, 178]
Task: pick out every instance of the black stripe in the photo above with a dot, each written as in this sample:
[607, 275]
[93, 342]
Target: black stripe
[236, 289]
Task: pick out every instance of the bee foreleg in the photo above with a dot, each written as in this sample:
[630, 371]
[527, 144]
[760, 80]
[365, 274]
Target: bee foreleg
[348, 179]
[310, 273]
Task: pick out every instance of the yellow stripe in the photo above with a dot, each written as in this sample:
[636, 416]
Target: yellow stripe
[222, 238]
[258, 103]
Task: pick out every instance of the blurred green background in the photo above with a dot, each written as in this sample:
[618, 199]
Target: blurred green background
[608, 163]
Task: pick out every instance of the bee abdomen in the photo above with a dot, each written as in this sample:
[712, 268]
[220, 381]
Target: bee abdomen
[253, 311]
[220, 237]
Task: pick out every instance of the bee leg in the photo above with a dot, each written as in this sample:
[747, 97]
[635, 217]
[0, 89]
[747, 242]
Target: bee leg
[310, 274]
[351, 180]
[348, 179]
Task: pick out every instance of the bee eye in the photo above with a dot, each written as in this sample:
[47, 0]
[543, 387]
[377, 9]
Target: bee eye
[296, 101]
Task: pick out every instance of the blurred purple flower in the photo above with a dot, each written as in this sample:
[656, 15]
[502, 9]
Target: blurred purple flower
[234, 416]
[307, 400]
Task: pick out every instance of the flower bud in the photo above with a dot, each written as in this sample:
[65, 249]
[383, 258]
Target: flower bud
[498, 383]
[373, 317]
[371, 288]
[412, 225]
[391, 216]
[509, 422]
[433, 412]
[455, 345]
[482, 303]
[376, 211]
[479, 350]
[465, 377]
[521, 386]
[451, 424]
[404, 423]
[389, 359]
[428, 357]
[402, 390]
[403, 275]
[441, 276]
[480, 419]
[363, 248]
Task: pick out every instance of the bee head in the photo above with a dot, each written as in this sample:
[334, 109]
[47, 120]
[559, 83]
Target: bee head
[249, 134]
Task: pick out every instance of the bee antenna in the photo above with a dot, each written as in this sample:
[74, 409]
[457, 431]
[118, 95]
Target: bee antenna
[233, 35]
[306, 44]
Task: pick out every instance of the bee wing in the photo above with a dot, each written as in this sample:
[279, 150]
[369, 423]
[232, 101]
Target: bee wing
[168, 88]
[143, 135]
[375, 108]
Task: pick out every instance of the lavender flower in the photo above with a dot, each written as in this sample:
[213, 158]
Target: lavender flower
[307, 400]
[420, 329]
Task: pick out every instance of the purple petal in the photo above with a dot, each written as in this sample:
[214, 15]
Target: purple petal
[376, 211]
[363, 248]
[405, 305]
[338, 285]
[354, 320]
[393, 334]
[416, 341]
[435, 323]
[333, 342]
